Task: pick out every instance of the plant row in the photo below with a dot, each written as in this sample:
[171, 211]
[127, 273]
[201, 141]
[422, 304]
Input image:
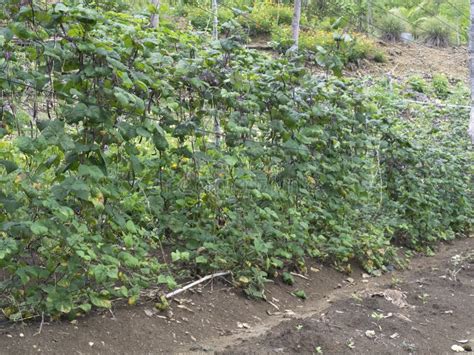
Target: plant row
[132, 158]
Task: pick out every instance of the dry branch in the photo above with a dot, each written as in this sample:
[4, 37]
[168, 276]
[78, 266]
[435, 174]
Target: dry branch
[197, 282]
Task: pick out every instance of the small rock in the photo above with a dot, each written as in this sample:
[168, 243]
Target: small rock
[365, 276]
[394, 336]
[370, 334]
[91, 343]
[243, 325]
[457, 348]
[350, 280]
[22, 335]
[149, 312]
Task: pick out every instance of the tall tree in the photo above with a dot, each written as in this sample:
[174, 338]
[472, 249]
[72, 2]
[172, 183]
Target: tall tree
[471, 68]
[155, 17]
[215, 21]
[369, 15]
[295, 24]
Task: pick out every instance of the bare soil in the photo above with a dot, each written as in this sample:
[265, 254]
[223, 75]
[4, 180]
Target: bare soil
[425, 310]
[404, 60]
[343, 314]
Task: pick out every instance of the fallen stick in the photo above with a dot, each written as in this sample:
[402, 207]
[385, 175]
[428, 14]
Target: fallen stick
[197, 282]
[41, 325]
[299, 275]
[274, 305]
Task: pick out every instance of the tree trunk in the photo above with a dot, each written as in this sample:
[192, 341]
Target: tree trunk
[471, 68]
[215, 21]
[155, 18]
[369, 15]
[295, 24]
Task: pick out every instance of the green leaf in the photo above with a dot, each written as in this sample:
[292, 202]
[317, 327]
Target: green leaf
[86, 307]
[63, 306]
[38, 228]
[180, 256]
[91, 171]
[230, 160]
[9, 165]
[122, 99]
[100, 301]
[131, 227]
[201, 260]
[168, 280]
[160, 141]
[300, 294]
[25, 145]
[116, 64]
[288, 278]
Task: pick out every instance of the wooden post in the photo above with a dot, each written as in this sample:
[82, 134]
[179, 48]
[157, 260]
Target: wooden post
[155, 17]
[471, 71]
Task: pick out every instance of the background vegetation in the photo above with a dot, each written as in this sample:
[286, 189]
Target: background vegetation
[434, 22]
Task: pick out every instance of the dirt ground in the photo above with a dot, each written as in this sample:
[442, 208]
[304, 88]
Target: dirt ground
[425, 309]
[404, 60]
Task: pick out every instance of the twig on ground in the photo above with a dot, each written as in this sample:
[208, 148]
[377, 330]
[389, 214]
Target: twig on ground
[274, 305]
[112, 313]
[41, 325]
[299, 275]
[197, 282]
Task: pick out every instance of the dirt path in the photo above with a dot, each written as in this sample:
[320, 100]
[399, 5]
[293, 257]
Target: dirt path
[425, 310]
[341, 315]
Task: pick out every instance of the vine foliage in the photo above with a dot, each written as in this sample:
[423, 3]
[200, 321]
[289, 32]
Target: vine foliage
[113, 178]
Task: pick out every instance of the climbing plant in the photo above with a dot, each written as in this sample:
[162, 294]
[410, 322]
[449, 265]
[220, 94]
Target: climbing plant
[115, 179]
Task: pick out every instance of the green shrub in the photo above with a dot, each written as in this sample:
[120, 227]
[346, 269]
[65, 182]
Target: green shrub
[391, 27]
[433, 31]
[363, 48]
[260, 20]
[424, 181]
[440, 85]
[343, 48]
[379, 56]
[265, 16]
[418, 84]
[202, 19]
